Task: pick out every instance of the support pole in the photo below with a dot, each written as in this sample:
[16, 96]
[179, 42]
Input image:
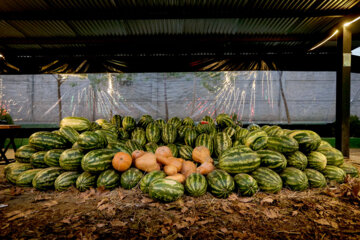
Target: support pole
[343, 80]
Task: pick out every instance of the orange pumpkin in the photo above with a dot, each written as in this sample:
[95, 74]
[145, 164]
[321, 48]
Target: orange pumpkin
[201, 154]
[122, 161]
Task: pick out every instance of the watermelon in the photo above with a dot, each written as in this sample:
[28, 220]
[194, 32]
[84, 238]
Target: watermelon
[13, 170]
[69, 133]
[108, 179]
[153, 132]
[333, 156]
[166, 190]
[222, 141]
[350, 170]
[110, 136]
[65, 180]
[259, 143]
[128, 123]
[98, 160]
[190, 137]
[110, 127]
[253, 127]
[94, 126]
[24, 153]
[130, 178]
[324, 145]
[273, 131]
[245, 184]
[151, 147]
[70, 159]
[119, 147]
[175, 121]
[316, 178]
[91, 140]
[267, 180]
[230, 131]
[101, 121]
[116, 120]
[308, 140]
[56, 132]
[77, 123]
[45, 178]
[208, 119]
[139, 136]
[47, 140]
[85, 181]
[241, 133]
[132, 146]
[185, 152]
[188, 122]
[316, 160]
[145, 120]
[37, 160]
[272, 160]
[161, 123]
[196, 185]
[149, 178]
[333, 173]
[169, 133]
[294, 179]
[221, 184]
[237, 143]
[174, 149]
[297, 160]
[75, 146]
[181, 132]
[52, 156]
[282, 144]
[265, 127]
[204, 128]
[25, 178]
[250, 139]
[206, 141]
[234, 160]
[123, 134]
[224, 120]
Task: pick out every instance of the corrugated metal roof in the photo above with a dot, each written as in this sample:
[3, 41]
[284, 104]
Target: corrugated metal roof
[43, 28]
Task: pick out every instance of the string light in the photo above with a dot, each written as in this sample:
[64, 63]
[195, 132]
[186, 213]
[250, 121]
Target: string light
[332, 35]
[1, 56]
[348, 23]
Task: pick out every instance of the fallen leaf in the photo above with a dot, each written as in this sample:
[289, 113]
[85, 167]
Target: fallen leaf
[180, 225]
[15, 191]
[121, 195]
[5, 226]
[270, 213]
[245, 199]
[164, 230]
[41, 197]
[267, 200]
[240, 235]
[117, 223]
[294, 213]
[100, 225]
[105, 206]
[184, 209]
[334, 224]
[227, 209]
[224, 230]
[66, 220]
[322, 221]
[233, 197]
[103, 201]
[50, 203]
[10, 214]
[205, 221]
[146, 200]
[191, 220]
[20, 215]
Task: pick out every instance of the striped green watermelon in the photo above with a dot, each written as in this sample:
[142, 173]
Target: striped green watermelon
[316, 178]
[69, 133]
[222, 141]
[245, 184]
[151, 147]
[272, 160]
[267, 180]
[169, 133]
[196, 185]
[265, 127]
[108, 179]
[25, 178]
[123, 134]
[221, 184]
[316, 160]
[128, 123]
[235, 161]
[149, 178]
[24, 153]
[47, 141]
[294, 179]
[52, 156]
[56, 132]
[153, 132]
[116, 120]
[205, 128]
[175, 121]
[161, 123]
[297, 160]
[145, 120]
[230, 131]
[282, 144]
[208, 119]
[206, 141]
[13, 170]
[188, 122]
[130, 178]
[120, 147]
[259, 143]
[45, 178]
[166, 190]
[94, 126]
[66, 180]
[139, 136]
[185, 152]
[91, 140]
[181, 132]
[253, 127]
[308, 140]
[274, 131]
[250, 139]
[241, 133]
[237, 143]
[324, 145]
[77, 123]
[190, 137]
[110, 136]
[132, 146]
[70, 159]
[174, 149]
[333, 173]
[101, 121]
[333, 156]
[350, 170]
[98, 160]
[85, 181]
[224, 120]
[37, 160]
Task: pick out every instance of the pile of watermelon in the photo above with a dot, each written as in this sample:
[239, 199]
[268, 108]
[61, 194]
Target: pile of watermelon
[247, 160]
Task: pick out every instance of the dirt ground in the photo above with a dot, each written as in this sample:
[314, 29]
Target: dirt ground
[332, 213]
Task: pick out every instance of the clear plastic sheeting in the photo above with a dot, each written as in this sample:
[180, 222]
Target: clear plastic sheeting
[255, 96]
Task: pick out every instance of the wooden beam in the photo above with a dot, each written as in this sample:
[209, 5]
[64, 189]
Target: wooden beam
[343, 81]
